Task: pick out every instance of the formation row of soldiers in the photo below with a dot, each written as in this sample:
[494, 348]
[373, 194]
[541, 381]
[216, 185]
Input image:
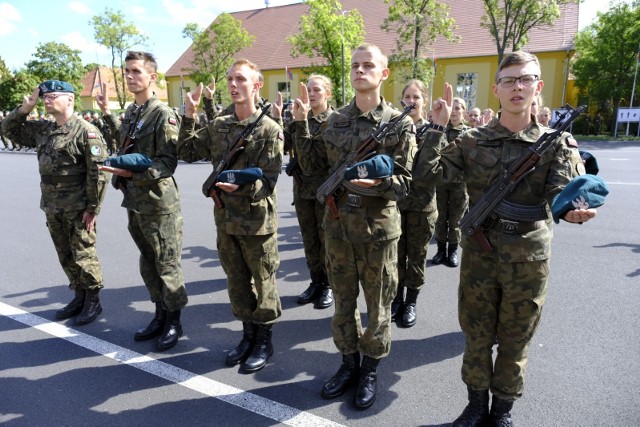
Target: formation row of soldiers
[372, 236]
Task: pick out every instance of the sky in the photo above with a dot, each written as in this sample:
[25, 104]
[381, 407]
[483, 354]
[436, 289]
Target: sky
[25, 24]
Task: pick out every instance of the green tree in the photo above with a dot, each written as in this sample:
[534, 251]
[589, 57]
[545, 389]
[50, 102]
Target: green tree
[116, 34]
[319, 37]
[214, 49]
[57, 61]
[417, 23]
[14, 88]
[606, 56]
[509, 21]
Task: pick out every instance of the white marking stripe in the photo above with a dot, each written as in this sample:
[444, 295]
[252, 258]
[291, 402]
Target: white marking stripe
[235, 396]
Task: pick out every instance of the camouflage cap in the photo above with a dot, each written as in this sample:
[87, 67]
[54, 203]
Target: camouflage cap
[55, 86]
[135, 162]
[380, 166]
[240, 177]
[583, 192]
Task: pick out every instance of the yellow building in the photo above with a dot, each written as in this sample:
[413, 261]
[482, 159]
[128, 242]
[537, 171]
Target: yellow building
[469, 66]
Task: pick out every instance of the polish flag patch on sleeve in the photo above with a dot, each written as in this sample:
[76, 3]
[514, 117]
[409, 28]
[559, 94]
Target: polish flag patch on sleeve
[172, 121]
[91, 135]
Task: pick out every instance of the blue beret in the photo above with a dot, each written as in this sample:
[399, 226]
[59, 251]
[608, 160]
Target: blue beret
[55, 86]
[590, 162]
[380, 166]
[583, 192]
[135, 162]
[240, 177]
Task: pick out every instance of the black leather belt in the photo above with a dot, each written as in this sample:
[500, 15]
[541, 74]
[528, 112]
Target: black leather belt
[59, 179]
[519, 227]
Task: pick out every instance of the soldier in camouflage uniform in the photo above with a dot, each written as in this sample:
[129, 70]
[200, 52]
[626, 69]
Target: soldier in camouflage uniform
[502, 290]
[451, 198]
[151, 197]
[5, 141]
[247, 221]
[70, 151]
[361, 244]
[418, 212]
[308, 209]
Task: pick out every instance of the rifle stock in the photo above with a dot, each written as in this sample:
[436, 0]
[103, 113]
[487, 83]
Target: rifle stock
[209, 188]
[472, 222]
[332, 188]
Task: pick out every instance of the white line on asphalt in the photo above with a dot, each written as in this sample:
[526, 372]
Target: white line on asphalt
[622, 183]
[235, 396]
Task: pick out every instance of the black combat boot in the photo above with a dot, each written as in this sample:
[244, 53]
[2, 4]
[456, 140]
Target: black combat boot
[171, 332]
[155, 327]
[367, 386]
[74, 307]
[500, 415]
[410, 315]
[91, 307]
[477, 411]
[397, 305]
[313, 291]
[440, 256]
[242, 350]
[325, 300]
[452, 255]
[262, 350]
[346, 375]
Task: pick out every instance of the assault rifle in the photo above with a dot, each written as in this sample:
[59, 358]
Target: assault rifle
[332, 188]
[209, 188]
[472, 223]
[422, 130]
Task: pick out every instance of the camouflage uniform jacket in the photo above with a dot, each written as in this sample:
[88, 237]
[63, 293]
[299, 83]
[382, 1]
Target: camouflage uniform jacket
[378, 217]
[310, 182]
[452, 133]
[422, 199]
[68, 160]
[155, 133]
[252, 209]
[481, 154]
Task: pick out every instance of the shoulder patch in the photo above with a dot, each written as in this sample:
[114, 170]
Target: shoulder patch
[581, 169]
[96, 150]
[281, 136]
[173, 121]
[572, 142]
[91, 135]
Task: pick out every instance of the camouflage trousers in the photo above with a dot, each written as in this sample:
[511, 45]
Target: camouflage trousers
[159, 239]
[499, 302]
[76, 249]
[310, 214]
[453, 202]
[417, 230]
[250, 263]
[374, 265]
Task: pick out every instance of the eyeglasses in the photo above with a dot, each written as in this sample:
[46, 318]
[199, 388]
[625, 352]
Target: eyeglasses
[52, 96]
[526, 80]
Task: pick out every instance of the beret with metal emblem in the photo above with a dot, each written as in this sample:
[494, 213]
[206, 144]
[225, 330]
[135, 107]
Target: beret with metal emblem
[582, 192]
[240, 176]
[55, 86]
[380, 166]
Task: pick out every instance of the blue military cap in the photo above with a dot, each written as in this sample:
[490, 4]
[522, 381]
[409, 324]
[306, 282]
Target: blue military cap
[380, 166]
[241, 176]
[55, 86]
[583, 192]
[590, 162]
[135, 162]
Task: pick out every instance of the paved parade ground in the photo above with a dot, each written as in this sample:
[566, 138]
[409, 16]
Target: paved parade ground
[584, 367]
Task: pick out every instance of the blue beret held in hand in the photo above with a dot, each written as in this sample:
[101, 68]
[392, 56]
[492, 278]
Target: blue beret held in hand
[241, 176]
[583, 192]
[380, 166]
[135, 162]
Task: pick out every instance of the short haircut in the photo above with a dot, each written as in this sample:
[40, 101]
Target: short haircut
[375, 49]
[421, 87]
[245, 62]
[462, 102]
[516, 58]
[148, 59]
[326, 81]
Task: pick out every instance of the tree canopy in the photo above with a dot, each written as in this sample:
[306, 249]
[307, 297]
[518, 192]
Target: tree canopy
[606, 56]
[56, 61]
[116, 34]
[214, 49]
[417, 23]
[319, 37]
[509, 21]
